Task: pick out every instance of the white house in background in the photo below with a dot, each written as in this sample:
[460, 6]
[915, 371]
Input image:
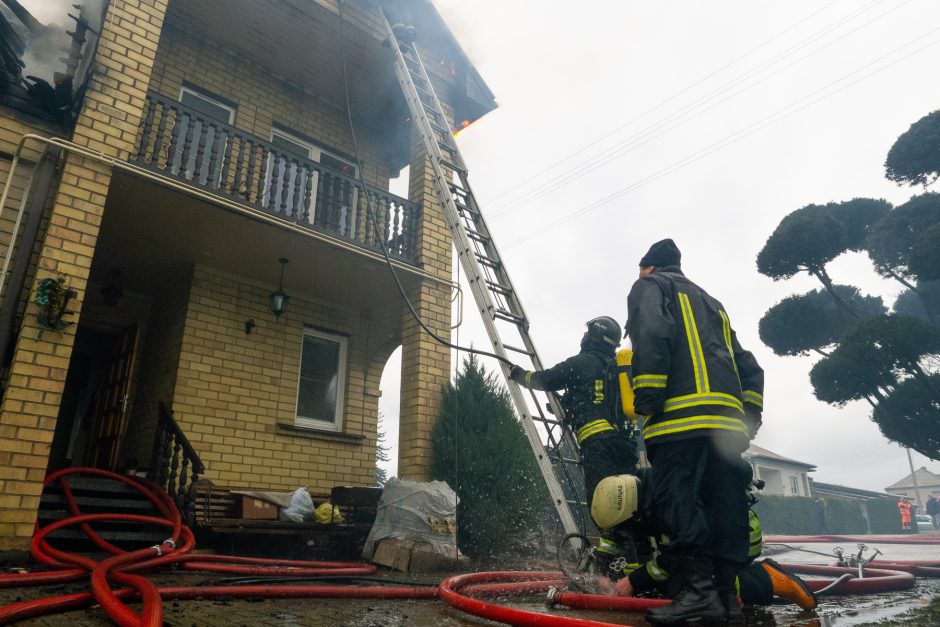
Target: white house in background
[781, 475]
[928, 483]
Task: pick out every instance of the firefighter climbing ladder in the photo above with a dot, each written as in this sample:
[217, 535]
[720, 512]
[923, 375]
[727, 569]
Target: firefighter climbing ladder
[492, 289]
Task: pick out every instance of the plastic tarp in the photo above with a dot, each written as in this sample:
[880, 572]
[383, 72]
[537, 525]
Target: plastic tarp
[409, 510]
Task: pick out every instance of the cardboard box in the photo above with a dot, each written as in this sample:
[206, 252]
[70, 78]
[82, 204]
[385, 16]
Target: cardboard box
[256, 509]
[414, 556]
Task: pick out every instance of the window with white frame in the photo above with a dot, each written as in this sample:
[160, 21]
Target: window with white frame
[205, 108]
[794, 486]
[287, 190]
[322, 382]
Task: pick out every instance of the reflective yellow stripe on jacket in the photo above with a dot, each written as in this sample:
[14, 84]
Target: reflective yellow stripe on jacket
[649, 381]
[680, 425]
[756, 544]
[655, 572]
[726, 332]
[695, 344]
[593, 428]
[707, 398]
[750, 396]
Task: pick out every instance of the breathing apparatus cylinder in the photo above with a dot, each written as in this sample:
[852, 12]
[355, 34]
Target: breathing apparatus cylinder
[625, 382]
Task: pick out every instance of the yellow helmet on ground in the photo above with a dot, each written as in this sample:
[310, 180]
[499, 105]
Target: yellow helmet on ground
[615, 500]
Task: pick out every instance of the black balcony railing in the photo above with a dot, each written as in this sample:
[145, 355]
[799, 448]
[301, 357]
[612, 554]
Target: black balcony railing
[174, 463]
[183, 143]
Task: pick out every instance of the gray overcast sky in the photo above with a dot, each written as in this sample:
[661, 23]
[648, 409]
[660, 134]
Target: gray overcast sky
[815, 93]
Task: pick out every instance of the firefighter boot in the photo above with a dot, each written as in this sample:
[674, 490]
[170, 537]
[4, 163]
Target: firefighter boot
[733, 612]
[726, 581]
[697, 600]
[788, 586]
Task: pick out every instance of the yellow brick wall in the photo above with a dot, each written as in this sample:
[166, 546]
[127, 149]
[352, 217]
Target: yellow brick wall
[263, 100]
[229, 391]
[235, 394]
[108, 122]
[159, 358]
[425, 362]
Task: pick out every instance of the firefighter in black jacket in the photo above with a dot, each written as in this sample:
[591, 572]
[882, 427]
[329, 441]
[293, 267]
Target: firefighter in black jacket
[702, 394]
[589, 412]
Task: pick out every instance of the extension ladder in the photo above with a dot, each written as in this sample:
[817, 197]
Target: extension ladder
[554, 446]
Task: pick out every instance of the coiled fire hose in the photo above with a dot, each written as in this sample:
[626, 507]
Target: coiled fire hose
[122, 568]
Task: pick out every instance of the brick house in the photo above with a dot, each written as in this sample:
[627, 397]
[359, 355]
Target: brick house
[208, 140]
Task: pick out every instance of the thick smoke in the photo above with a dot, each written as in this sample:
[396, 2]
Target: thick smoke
[48, 46]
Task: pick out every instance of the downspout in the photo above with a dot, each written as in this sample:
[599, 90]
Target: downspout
[43, 174]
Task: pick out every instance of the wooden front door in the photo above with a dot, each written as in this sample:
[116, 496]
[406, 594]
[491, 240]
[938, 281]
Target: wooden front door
[112, 403]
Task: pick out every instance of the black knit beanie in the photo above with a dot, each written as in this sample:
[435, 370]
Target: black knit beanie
[662, 253]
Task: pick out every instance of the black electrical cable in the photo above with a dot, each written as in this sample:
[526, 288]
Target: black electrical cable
[375, 227]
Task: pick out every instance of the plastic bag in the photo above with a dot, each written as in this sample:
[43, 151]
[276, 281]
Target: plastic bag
[327, 513]
[301, 506]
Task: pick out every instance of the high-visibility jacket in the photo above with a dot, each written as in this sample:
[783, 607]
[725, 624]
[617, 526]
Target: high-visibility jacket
[690, 374]
[583, 379]
[905, 508]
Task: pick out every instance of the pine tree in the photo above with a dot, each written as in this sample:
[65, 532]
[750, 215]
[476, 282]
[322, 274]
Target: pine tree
[479, 448]
[381, 453]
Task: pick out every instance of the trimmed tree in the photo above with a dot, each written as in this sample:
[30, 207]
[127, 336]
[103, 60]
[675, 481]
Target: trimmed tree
[890, 360]
[914, 159]
[479, 448]
[827, 322]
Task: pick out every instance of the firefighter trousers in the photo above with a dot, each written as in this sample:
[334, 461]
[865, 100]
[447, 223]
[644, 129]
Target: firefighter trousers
[700, 499]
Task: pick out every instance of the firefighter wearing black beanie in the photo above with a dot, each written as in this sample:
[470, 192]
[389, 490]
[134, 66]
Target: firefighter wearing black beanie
[702, 393]
[661, 254]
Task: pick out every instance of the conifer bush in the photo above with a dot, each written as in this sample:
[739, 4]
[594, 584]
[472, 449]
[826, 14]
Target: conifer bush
[479, 448]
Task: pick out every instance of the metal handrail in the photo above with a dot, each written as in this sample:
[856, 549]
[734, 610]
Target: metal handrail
[174, 464]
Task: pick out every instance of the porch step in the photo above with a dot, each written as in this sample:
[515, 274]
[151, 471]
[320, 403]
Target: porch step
[95, 496]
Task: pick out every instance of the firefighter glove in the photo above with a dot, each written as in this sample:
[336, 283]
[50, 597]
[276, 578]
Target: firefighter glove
[516, 373]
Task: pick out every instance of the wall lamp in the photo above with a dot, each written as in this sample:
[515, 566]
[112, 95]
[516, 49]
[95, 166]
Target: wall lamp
[278, 299]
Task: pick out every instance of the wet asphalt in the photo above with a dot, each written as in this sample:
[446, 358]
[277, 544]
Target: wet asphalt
[832, 612]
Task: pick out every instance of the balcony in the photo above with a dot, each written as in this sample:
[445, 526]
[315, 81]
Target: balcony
[196, 149]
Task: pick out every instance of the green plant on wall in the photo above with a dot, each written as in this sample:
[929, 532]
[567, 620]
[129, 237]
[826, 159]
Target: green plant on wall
[52, 297]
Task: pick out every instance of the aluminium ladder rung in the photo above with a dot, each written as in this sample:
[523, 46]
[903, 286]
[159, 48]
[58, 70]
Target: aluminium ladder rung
[499, 288]
[508, 316]
[453, 166]
[484, 239]
[486, 261]
[523, 351]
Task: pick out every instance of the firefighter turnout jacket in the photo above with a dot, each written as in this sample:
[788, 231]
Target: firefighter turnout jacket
[583, 378]
[690, 374]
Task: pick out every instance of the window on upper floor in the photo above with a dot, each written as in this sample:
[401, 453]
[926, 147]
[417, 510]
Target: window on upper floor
[292, 187]
[794, 485]
[322, 383]
[197, 138]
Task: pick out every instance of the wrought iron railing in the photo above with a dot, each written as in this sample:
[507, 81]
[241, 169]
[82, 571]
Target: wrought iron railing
[175, 466]
[181, 142]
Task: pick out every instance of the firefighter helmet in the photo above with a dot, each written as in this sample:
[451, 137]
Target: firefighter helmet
[615, 500]
[604, 329]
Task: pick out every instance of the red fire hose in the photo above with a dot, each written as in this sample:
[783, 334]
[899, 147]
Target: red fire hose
[450, 591]
[122, 566]
[876, 579]
[881, 539]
